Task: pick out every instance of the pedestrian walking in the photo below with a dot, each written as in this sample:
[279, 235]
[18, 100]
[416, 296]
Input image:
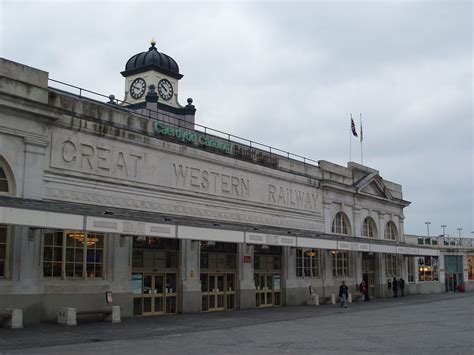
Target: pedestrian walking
[402, 286]
[343, 294]
[395, 287]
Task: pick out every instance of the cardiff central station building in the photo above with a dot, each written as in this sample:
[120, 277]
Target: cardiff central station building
[135, 198]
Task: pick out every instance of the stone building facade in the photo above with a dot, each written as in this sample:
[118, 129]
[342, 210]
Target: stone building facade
[136, 199]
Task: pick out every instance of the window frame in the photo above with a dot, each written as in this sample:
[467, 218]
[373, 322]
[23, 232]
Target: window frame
[369, 225]
[7, 252]
[433, 272]
[340, 223]
[313, 270]
[64, 260]
[391, 231]
[341, 261]
[392, 263]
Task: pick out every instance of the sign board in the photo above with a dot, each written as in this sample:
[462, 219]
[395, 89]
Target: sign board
[247, 259]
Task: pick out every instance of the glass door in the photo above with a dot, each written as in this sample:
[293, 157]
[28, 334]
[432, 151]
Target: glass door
[147, 295]
[268, 291]
[151, 297]
[218, 291]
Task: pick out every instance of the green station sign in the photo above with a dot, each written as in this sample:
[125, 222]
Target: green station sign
[193, 137]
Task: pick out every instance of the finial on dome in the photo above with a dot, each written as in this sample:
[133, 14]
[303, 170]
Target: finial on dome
[153, 42]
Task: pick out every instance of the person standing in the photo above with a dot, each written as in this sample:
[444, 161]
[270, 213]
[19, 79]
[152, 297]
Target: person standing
[395, 287]
[365, 291]
[343, 294]
[402, 286]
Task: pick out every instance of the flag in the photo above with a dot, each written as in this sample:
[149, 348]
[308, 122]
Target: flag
[353, 128]
[361, 134]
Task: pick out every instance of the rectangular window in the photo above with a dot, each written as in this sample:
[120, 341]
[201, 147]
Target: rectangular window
[428, 268]
[73, 254]
[411, 269]
[391, 265]
[341, 261]
[307, 263]
[3, 249]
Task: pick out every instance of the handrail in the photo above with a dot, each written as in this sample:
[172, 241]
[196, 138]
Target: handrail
[206, 130]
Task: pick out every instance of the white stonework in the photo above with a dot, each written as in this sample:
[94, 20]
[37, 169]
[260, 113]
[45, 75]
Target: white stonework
[76, 164]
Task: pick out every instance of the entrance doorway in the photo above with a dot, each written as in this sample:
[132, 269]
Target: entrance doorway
[268, 290]
[218, 292]
[267, 275]
[154, 276]
[453, 265]
[368, 272]
[218, 270]
[157, 294]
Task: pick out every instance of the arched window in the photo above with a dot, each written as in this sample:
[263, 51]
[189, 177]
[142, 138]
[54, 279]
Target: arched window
[6, 188]
[6, 179]
[4, 185]
[391, 231]
[369, 229]
[340, 224]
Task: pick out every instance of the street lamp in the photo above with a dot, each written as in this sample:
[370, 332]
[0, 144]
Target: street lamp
[428, 227]
[444, 229]
[459, 230]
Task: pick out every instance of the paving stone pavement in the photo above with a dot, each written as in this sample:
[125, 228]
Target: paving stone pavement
[422, 324]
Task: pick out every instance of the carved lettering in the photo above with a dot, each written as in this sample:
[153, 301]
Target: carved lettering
[121, 165]
[69, 151]
[75, 154]
[102, 155]
[203, 180]
[289, 197]
[87, 152]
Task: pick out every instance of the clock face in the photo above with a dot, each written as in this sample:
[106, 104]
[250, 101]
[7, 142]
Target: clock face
[165, 89]
[137, 88]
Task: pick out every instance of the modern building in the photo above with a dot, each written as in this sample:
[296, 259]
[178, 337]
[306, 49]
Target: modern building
[136, 198]
[451, 271]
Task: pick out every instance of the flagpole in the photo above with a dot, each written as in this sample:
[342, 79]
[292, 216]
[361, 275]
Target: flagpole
[361, 139]
[350, 142]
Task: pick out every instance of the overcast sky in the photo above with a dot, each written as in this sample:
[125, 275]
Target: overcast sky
[289, 74]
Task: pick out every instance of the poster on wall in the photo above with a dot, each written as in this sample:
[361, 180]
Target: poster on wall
[470, 267]
[137, 284]
[276, 282]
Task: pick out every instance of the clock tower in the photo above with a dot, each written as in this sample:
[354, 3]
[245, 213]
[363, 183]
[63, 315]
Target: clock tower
[151, 82]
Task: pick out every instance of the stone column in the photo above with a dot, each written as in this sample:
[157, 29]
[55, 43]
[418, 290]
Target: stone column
[401, 220]
[381, 225]
[327, 215]
[190, 282]
[328, 279]
[357, 232]
[35, 150]
[245, 281]
[381, 278]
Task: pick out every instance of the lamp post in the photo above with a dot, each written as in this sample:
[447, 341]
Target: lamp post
[459, 230]
[444, 227]
[428, 227]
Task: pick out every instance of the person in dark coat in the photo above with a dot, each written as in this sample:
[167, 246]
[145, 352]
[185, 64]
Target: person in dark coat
[401, 283]
[395, 287]
[364, 289]
[343, 294]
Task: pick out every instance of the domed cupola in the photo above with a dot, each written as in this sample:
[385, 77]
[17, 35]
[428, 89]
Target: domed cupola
[152, 60]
